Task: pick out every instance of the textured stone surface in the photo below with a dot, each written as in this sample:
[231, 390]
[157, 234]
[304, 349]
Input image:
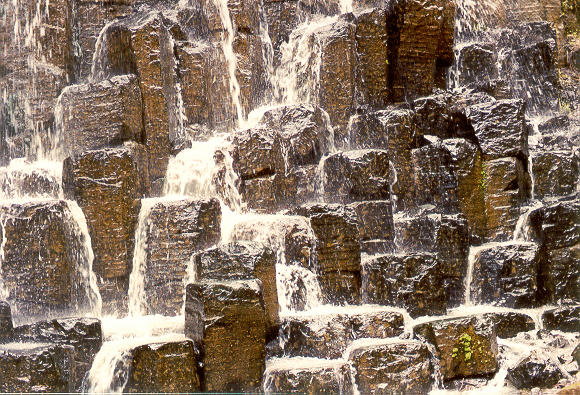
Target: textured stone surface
[337, 251]
[413, 281]
[163, 367]
[101, 115]
[393, 367]
[83, 334]
[242, 260]
[43, 253]
[444, 235]
[6, 325]
[466, 346]
[107, 184]
[227, 319]
[328, 336]
[36, 367]
[356, 176]
[556, 173]
[175, 231]
[287, 377]
[375, 225]
[506, 275]
[566, 318]
[509, 324]
[534, 371]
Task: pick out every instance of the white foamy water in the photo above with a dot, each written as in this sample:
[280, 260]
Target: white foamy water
[25, 180]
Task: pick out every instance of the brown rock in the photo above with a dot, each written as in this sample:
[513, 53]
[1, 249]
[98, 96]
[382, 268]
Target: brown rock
[466, 346]
[228, 321]
[163, 367]
[243, 261]
[393, 367]
[100, 115]
[556, 173]
[107, 184]
[6, 326]
[43, 258]
[375, 225]
[337, 251]
[175, 231]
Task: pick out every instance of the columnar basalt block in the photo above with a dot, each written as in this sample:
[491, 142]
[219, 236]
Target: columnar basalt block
[243, 261]
[107, 184]
[393, 367]
[176, 230]
[375, 225]
[99, 115]
[466, 346]
[337, 250]
[227, 320]
[287, 376]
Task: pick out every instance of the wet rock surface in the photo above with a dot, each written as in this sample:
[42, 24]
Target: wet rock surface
[177, 229]
[535, 371]
[6, 325]
[566, 318]
[163, 367]
[228, 321]
[308, 380]
[328, 336]
[466, 346]
[402, 366]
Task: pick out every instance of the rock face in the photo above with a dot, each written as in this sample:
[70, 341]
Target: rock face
[6, 325]
[175, 231]
[99, 115]
[83, 334]
[534, 371]
[228, 321]
[356, 176]
[107, 184]
[412, 281]
[466, 346]
[163, 367]
[397, 367]
[44, 254]
[445, 236]
[243, 261]
[337, 251]
[375, 225]
[564, 318]
[509, 324]
[328, 336]
[36, 368]
[328, 378]
[506, 275]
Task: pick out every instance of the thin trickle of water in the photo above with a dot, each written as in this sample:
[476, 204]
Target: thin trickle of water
[100, 55]
[4, 292]
[230, 55]
[85, 258]
[137, 302]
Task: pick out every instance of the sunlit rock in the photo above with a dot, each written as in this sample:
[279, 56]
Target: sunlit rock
[107, 184]
[402, 366]
[227, 320]
[466, 346]
[356, 176]
[327, 335]
[413, 281]
[83, 334]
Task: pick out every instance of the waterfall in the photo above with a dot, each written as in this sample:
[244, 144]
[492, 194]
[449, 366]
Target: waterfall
[85, 258]
[230, 55]
[4, 292]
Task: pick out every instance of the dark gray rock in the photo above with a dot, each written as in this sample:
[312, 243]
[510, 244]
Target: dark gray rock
[534, 371]
[509, 324]
[327, 336]
[6, 325]
[566, 318]
[413, 281]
